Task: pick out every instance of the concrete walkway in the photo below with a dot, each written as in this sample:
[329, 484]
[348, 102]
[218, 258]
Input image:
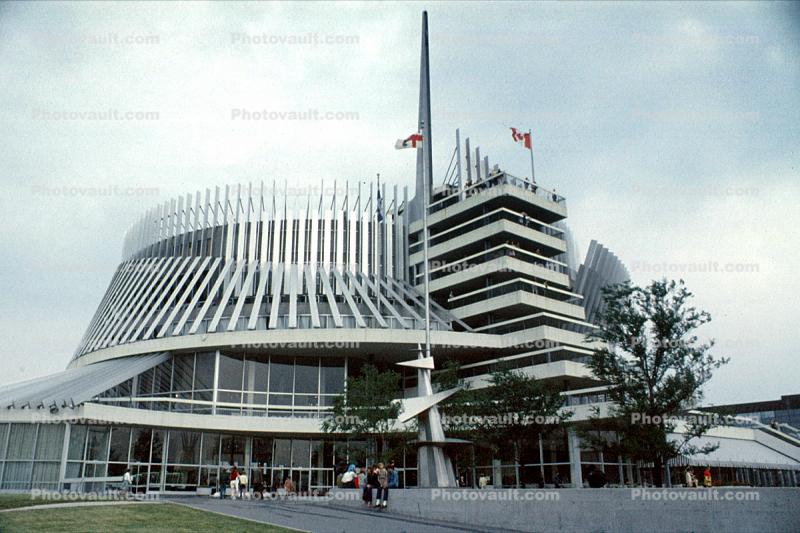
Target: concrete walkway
[321, 518]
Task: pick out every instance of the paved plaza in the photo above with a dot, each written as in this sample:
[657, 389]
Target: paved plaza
[321, 518]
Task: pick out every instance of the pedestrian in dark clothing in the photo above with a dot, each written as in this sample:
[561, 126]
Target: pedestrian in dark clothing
[596, 478]
[372, 481]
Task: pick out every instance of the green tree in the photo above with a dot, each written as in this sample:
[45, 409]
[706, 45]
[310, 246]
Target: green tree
[368, 409]
[655, 368]
[512, 409]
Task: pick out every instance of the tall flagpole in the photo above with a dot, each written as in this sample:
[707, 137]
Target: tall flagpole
[425, 202]
[530, 139]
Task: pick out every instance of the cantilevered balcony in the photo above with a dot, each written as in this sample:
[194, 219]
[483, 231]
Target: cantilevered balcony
[499, 226]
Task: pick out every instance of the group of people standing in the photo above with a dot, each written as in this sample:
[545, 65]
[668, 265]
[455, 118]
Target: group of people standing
[237, 481]
[692, 481]
[379, 477]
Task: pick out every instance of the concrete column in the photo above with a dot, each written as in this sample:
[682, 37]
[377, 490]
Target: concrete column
[574, 447]
[497, 473]
[216, 380]
[62, 471]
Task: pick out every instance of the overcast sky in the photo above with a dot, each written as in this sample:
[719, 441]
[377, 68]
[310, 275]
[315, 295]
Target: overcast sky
[672, 129]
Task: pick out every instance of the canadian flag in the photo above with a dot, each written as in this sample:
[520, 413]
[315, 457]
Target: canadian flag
[410, 142]
[520, 137]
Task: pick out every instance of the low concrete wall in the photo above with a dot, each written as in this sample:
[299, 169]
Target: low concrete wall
[601, 510]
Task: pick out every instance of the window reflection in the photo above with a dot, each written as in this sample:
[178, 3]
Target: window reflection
[247, 384]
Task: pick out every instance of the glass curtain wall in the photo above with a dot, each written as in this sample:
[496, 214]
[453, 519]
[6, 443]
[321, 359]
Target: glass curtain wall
[235, 384]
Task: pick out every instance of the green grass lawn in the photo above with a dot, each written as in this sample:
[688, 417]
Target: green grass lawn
[15, 501]
[138, 517]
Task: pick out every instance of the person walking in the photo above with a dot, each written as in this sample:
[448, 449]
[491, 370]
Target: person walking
[224, 482]
[258, 483]
[288, 486]
[707, 477]
[243, 485]
[234, 482]
[127, 481]
[382, 498]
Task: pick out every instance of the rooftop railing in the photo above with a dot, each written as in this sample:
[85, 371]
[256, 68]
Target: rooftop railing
[451, 193]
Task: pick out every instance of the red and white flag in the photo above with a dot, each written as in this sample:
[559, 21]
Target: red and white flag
[521, 137]
[410, 142]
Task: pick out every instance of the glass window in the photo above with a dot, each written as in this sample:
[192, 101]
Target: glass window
[182, 375]
[229, 397]
[77, 443]
[255, 375]
[254, 398]
[17, 475]
[210, 449]
[157, 454]
[204, 371]
[120, 442]
[280, 399]
[145, 387]
[301, 453]
[140, 451]
[182, 478]
[97, 444]
[281, 374]
[163, 378]
[50, 442]
[317, 454]
[117, 469]
[306, 376]
[73, 470]
[20, 442]
[230, 372]
[233, 449]
[262, 451]
[184, 447]
[306, 400]
[3, 436]
[332, 377]
[283, 450]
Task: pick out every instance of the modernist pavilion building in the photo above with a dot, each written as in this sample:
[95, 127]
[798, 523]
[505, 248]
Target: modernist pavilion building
[231, 324]
[233, 321]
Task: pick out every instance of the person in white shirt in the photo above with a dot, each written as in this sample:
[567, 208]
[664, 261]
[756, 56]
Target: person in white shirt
[127, 481]
[234, 482]
[242, 485]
